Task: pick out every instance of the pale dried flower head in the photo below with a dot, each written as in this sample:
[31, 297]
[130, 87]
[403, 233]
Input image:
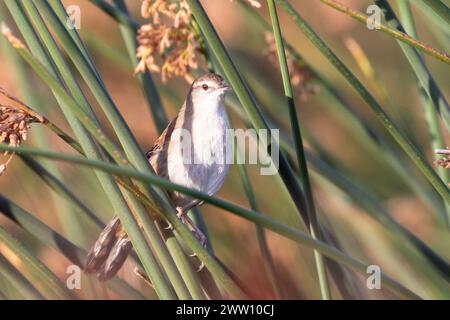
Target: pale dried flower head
[167, 44]
[14, 124]
[301, 75]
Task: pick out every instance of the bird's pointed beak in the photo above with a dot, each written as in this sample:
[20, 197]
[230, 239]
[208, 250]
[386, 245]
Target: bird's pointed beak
[226, 87]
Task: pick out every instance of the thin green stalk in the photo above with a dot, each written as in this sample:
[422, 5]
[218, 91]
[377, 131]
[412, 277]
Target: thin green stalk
[112, 190]
[18, 280]
[162, 252]
[256, 217]
[403, 141]
[397, 34]
[298, 143]
[437, 137]
[53, 288]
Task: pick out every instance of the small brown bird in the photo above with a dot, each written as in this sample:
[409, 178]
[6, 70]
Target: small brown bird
[192, 151]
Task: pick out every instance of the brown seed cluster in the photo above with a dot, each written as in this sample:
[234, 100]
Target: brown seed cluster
[14, 126]
[301, 75]
[167, 44]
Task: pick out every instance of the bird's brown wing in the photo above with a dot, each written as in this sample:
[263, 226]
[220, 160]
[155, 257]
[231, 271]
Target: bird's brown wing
[157, 155]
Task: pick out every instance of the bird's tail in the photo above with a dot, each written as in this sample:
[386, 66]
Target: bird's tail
[109, 252]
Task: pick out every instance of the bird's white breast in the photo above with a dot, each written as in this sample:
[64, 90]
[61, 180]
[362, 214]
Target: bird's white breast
[207, 168]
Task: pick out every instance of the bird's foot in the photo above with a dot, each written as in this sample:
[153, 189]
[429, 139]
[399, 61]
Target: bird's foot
[182, 215]
[200, 237]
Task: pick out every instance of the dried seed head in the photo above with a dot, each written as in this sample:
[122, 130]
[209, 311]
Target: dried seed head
[14, 124]
[167, 44]
[301, 75]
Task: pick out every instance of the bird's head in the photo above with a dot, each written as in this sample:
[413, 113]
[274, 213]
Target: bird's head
[209, 86]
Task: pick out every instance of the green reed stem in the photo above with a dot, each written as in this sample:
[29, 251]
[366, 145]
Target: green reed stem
[366, 199]
[298, 143]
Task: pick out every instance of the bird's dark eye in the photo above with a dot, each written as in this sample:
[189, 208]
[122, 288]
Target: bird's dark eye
[205, 87]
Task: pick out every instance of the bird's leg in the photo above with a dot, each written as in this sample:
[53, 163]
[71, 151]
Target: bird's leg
[182, 215]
